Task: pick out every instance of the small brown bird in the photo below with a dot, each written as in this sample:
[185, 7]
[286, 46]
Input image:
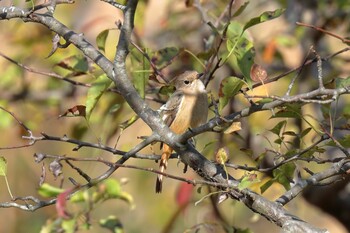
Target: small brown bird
[187, 107]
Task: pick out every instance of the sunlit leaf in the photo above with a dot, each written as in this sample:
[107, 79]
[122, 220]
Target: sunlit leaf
[267, 15]
[6, 118]
[99, 86]
[221, 156]
[3, 166]
[140, 79]
[101, 39]
[80, 196]
[235, 126]
[229, 87]
[141, 70]
[241, 47]
[69, 225]
[112, 187]
[128, 198]
[247, 181]
[47, 190]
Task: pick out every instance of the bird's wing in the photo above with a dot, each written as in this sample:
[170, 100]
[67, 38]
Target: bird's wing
[171, 107]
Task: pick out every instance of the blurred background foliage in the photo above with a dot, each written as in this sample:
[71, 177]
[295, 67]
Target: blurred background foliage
[175, 37]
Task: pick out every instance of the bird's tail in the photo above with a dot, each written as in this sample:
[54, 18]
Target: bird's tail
[162, 166]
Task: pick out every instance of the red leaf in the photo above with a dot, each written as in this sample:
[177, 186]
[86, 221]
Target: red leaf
[61, 204]
[184, 194]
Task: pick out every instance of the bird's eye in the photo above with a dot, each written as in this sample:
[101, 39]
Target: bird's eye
[186, 82]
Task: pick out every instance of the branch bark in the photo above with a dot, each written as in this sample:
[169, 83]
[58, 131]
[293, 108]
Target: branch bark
[203, 167]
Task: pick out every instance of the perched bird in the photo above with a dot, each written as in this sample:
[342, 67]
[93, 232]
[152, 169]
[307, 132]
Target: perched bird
[186, 108]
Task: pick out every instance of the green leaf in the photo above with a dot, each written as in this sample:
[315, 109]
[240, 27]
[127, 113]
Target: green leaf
[342, 82]
[240, 230]
[241, 9]
[305, 132]
[112, 223]
[165, 55]
[140, 79]
[266, 16]
[267, 185]
[277, 129]
[99, 86]
[47, 190]
[247, 181]
[345, 114]
[69, 225]
[3, 166]
[101, 39]
[128, 198]
[80, 196]
[284, 174]
[167, 90]
[141, 71]
[113, 188]
[245, 55]
[241, 47]
[345, 142]
[129, 122]
[114, 108]
[289, 111]
[75, 63]
[229, 87]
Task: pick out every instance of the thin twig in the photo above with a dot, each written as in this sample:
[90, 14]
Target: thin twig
[343, 39]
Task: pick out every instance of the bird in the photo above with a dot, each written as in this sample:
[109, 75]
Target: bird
[186, 108]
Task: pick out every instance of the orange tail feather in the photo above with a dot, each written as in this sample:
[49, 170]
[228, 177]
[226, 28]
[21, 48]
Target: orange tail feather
[162, 166]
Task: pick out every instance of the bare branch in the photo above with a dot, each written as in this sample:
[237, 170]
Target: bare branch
[336, 169]
[344, 40]
[115, 4]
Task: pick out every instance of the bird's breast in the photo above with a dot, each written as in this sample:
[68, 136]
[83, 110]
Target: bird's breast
[193, 112]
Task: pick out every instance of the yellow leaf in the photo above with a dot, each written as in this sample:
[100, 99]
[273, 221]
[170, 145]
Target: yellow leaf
[235, 126]
[222, 155]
